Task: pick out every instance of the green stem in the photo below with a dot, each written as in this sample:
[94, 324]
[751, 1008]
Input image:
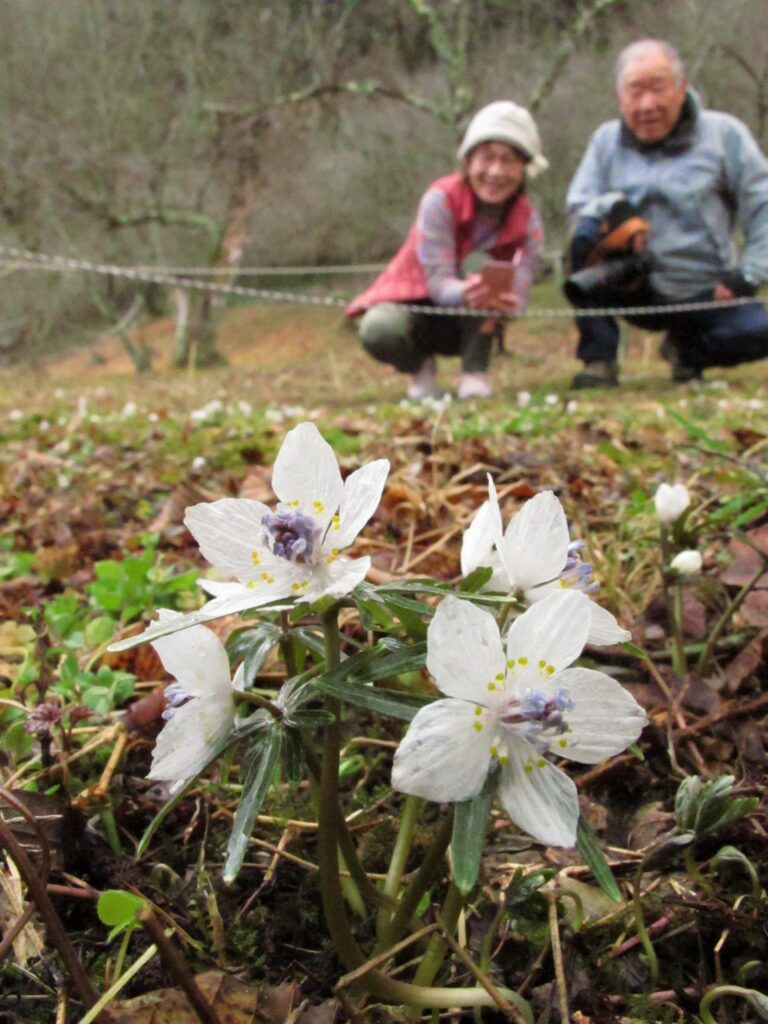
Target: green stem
[346, 843]
[107, 815]
[756, 999]
[419, 884]
[408, 818]
[398, 993]
[692, 868]
[679, 660]
[642, 931]
[249, 697]
[329, 811]
[435, 953]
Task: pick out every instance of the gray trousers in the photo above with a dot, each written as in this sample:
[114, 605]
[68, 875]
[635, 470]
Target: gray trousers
[404, 339]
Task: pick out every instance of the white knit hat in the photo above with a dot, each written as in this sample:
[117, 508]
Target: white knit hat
[504, 121]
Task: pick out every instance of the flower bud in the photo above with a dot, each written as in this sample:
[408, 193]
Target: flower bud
[671, 501]
[687, 563]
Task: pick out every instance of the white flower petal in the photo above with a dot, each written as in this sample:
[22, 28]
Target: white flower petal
[231, 536]
[539, 797]
[687, 563]
[535, 545]
[361, 496]
[554, 630]
[187, 740]
[196, 658]
[238, 599]
[306, 473]
[604, 720]
[442, 757]
[464, 650]
[337, 579]
[480, 537]
[671, 500]
[604, 629]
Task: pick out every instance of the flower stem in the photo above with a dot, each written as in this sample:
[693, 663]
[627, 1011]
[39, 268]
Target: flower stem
[679, 660]
[433, 957]
[408, 818]
[692, 868]
[728, 990]
[329, 811]
[642, 931]
[419, 884]
[249, 697]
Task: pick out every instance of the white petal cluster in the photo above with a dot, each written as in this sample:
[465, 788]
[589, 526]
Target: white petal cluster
[687, 563]
[534, 556]
[671, 500]
[198, 662]
[293, 553]
[509, 709]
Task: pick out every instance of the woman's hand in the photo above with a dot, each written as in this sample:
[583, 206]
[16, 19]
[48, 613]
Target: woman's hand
[477, 295]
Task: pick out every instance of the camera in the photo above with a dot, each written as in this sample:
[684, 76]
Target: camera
[602, 279]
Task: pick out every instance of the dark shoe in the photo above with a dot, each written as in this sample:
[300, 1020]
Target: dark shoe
[597, 374]
[681, 372]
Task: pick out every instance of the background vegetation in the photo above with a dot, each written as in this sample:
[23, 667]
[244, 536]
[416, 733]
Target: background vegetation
[263, 132]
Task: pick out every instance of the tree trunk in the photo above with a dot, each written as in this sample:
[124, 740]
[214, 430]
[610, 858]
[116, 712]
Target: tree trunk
[196, 319]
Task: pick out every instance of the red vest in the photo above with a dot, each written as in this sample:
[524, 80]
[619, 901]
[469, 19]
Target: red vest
[404, 280]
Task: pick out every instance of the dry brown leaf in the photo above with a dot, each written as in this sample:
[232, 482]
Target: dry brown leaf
[233, 1001]
[746, 561]
[745, 662]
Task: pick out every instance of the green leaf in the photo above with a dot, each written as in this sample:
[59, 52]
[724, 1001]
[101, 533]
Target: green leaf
[374, 698]
[470, 820]
[593, 856]
[476, 580]
[259, 775]
[633, 649]
[118, 909]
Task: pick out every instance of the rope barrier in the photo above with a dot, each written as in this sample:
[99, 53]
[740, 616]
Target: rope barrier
[26, 259]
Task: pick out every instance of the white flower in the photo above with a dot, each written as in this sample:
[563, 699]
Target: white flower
[199, 463]
[509, 710]
[535, 556]
[671, 501]
[293, 553]
[687, 563]
[202, 705]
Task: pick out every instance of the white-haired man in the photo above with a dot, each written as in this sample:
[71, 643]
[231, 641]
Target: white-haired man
[654, 206]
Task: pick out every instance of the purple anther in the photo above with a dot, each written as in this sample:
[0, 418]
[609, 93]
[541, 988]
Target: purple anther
[292, 535]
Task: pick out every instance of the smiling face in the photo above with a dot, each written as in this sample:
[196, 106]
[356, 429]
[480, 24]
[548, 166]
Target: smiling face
[495, 171]
[650, 94]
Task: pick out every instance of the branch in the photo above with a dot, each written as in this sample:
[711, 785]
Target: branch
[565, 49]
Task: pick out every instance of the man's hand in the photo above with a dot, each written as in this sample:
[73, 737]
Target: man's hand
[734, 285]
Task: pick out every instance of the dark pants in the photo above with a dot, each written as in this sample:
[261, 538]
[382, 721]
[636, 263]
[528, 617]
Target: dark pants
[404, 339]
[722, 336]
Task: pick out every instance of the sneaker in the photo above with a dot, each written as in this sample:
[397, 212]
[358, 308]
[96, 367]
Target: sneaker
[474, 385]
[681, 372]
[597, 374]
[423, 383]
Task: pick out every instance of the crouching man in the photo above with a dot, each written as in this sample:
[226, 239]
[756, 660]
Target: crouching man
[653, 206]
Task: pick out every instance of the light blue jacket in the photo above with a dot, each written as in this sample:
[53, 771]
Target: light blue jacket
[693, 188]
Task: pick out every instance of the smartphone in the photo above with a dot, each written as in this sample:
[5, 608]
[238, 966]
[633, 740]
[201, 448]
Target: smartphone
[499, 277]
